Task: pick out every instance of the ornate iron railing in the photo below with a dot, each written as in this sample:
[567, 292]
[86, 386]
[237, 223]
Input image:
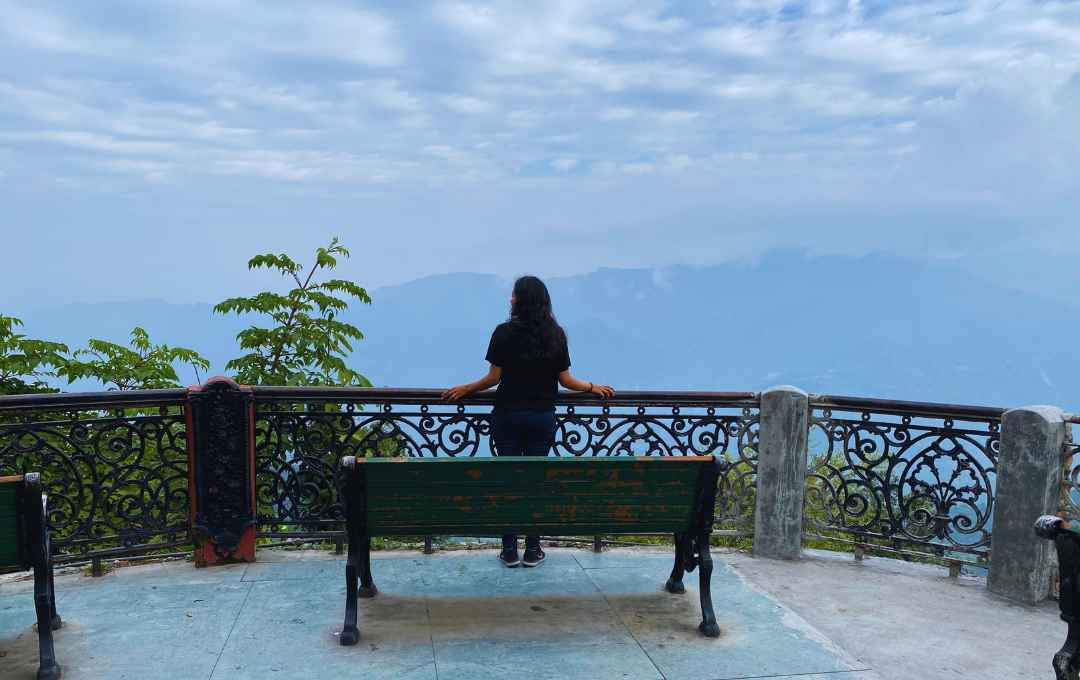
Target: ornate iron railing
[906, 476]
[1070, 488]
[302, 433]
[115, 467]
[910, 476]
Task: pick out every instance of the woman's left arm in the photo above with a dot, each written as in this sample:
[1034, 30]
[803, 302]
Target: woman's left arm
[493, 377]
[567, 380]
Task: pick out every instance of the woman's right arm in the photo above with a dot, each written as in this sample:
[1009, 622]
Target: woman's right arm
[493, 378]
[567, 380]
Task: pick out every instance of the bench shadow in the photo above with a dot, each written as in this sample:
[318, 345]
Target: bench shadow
[19, 658]
[527, 616]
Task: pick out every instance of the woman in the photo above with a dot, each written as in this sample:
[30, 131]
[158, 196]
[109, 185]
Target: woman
[528, 357]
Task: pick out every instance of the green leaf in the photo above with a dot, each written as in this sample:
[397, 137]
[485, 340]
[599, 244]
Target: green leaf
[142, 365]
[26, 364]
[303, 340]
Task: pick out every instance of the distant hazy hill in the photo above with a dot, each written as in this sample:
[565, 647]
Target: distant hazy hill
[873, 326]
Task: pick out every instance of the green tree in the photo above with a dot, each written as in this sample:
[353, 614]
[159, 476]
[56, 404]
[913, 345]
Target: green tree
[25, 363]
[142, 366]
[306, 344]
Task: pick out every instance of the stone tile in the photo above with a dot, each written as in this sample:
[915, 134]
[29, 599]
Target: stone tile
[281, 600]
[641, 591]
[613, 558]
[171, 572]
[484, 576]
[281, 571]
[278, 570]
[497, 658]
[17, 583]
[738, 655]
[759, 637]
[520, 618]
[16, 613]
[151, 573]
[144, 631]
[18, 641]
[290, 628]
[112, 598]
[842, 675]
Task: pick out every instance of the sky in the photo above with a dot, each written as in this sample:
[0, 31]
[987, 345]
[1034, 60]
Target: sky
[148, 149]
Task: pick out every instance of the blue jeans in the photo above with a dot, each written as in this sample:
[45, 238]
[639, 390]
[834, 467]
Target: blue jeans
[522, 433]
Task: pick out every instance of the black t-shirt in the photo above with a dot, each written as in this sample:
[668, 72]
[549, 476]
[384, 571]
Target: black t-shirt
[527, 384]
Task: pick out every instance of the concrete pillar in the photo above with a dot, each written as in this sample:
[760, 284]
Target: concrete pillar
[1028, 485]
[781, 473]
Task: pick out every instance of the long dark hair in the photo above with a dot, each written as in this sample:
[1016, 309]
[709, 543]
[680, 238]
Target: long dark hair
[532, 317]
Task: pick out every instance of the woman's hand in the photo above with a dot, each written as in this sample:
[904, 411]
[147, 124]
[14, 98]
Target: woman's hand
[455, 393]
[567, 380]
[604, 391]
[493, 377]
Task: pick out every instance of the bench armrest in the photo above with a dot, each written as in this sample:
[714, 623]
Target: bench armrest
[36, 518]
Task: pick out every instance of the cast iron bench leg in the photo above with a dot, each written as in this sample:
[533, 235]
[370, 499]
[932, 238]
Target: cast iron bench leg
[708, 627]
[45, 605]
[367, 585]
[350, 634]
[674, 583]
[57, 622]
[1067, 660]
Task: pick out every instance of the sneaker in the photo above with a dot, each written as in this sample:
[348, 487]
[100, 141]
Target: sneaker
[533, 556]
[510, 558]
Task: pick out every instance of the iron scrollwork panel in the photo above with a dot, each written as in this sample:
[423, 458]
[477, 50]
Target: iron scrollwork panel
[115, 479]
[922, 480]
[1070, 496]
[299, 446]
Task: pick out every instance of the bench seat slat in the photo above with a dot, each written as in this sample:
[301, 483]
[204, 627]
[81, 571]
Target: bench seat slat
[659, 481]
[556, 529]
[528, 495]
[489, 497]
[512, 503]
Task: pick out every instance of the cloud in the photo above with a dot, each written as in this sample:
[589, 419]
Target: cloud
[838, 112]
[89, 141]
[743, 41]
[466, 104]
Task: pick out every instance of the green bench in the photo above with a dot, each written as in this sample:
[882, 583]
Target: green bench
[531, 495]
[24, 544]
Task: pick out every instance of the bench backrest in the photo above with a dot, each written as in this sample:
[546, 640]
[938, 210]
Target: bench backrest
[492, 496]
[10, 534]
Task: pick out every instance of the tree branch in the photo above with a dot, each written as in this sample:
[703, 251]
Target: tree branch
[275, 363]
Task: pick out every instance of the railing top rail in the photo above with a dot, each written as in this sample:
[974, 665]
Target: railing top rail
[913, 408]
[392, 395]
[89, 400]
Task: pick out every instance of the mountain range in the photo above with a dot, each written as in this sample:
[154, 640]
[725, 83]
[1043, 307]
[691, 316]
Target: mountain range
[876, 326]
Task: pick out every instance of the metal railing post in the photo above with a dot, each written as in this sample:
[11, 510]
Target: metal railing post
[221, 450]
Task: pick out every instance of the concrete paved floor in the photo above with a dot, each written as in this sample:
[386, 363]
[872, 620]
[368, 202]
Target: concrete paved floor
[451, 615]
[580, 615]
[911, 620]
